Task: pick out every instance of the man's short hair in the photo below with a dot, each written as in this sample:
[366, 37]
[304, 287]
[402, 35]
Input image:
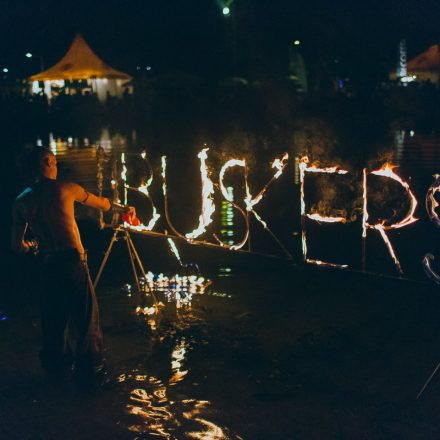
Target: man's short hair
[31, 163]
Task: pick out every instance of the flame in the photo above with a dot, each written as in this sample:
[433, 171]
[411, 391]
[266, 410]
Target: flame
[229, 164]
[208, 206]
[280, 164]
[431, 202]
[303, 168]
[175, 250]
[143, 189]
[250, 201]
[364, 205]
[319, 218]
[228, 196]
[381, 229]
[429, 270]
[387, 171]
[326, 264]
[124, 177]
[164, 175]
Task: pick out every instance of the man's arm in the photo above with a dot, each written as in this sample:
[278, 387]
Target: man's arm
[89, 199]
[19, 226]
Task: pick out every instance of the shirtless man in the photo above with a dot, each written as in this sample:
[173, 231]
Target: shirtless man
[47, 208]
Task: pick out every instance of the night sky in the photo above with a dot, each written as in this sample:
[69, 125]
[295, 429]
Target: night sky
[193, 36]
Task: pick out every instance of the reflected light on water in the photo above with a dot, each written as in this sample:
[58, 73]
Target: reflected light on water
[177, 359]
[162, 416]
[176, 288]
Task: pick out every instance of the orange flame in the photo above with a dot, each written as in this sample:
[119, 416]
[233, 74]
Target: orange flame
[279, 165]
[230, 164]
[303, 168]
[124, 177]
[208, 206]
[143, 189]
[387, 171]
[431, 202]
[319, 218]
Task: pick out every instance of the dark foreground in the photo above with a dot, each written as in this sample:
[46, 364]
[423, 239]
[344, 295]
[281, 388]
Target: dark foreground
[270, 352]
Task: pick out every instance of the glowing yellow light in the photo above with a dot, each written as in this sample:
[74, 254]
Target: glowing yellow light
[387, 171]
[208, 206]
[303, 168]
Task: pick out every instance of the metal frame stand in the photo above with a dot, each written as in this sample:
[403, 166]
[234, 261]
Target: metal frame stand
[121, 233]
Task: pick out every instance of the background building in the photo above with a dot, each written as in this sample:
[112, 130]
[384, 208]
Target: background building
[81, 71]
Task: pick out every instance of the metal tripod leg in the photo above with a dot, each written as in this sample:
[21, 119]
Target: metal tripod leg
[130, 254]
[107, 254]
[139, 262]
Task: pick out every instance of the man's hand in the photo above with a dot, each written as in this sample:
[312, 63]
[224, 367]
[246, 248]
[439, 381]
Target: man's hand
[32, 246]
[129, 216]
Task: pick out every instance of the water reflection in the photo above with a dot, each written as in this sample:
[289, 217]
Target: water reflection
[159, 390]
[158, 411]
[227, 228]
[176, 289]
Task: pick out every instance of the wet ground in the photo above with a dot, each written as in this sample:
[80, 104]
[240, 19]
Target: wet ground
[269, 350]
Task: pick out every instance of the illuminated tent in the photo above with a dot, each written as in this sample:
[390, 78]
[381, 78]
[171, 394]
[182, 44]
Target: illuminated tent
[426, 66]
[81, 65]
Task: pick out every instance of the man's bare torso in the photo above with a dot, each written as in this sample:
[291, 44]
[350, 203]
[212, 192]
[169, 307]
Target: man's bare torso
[48, 208]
